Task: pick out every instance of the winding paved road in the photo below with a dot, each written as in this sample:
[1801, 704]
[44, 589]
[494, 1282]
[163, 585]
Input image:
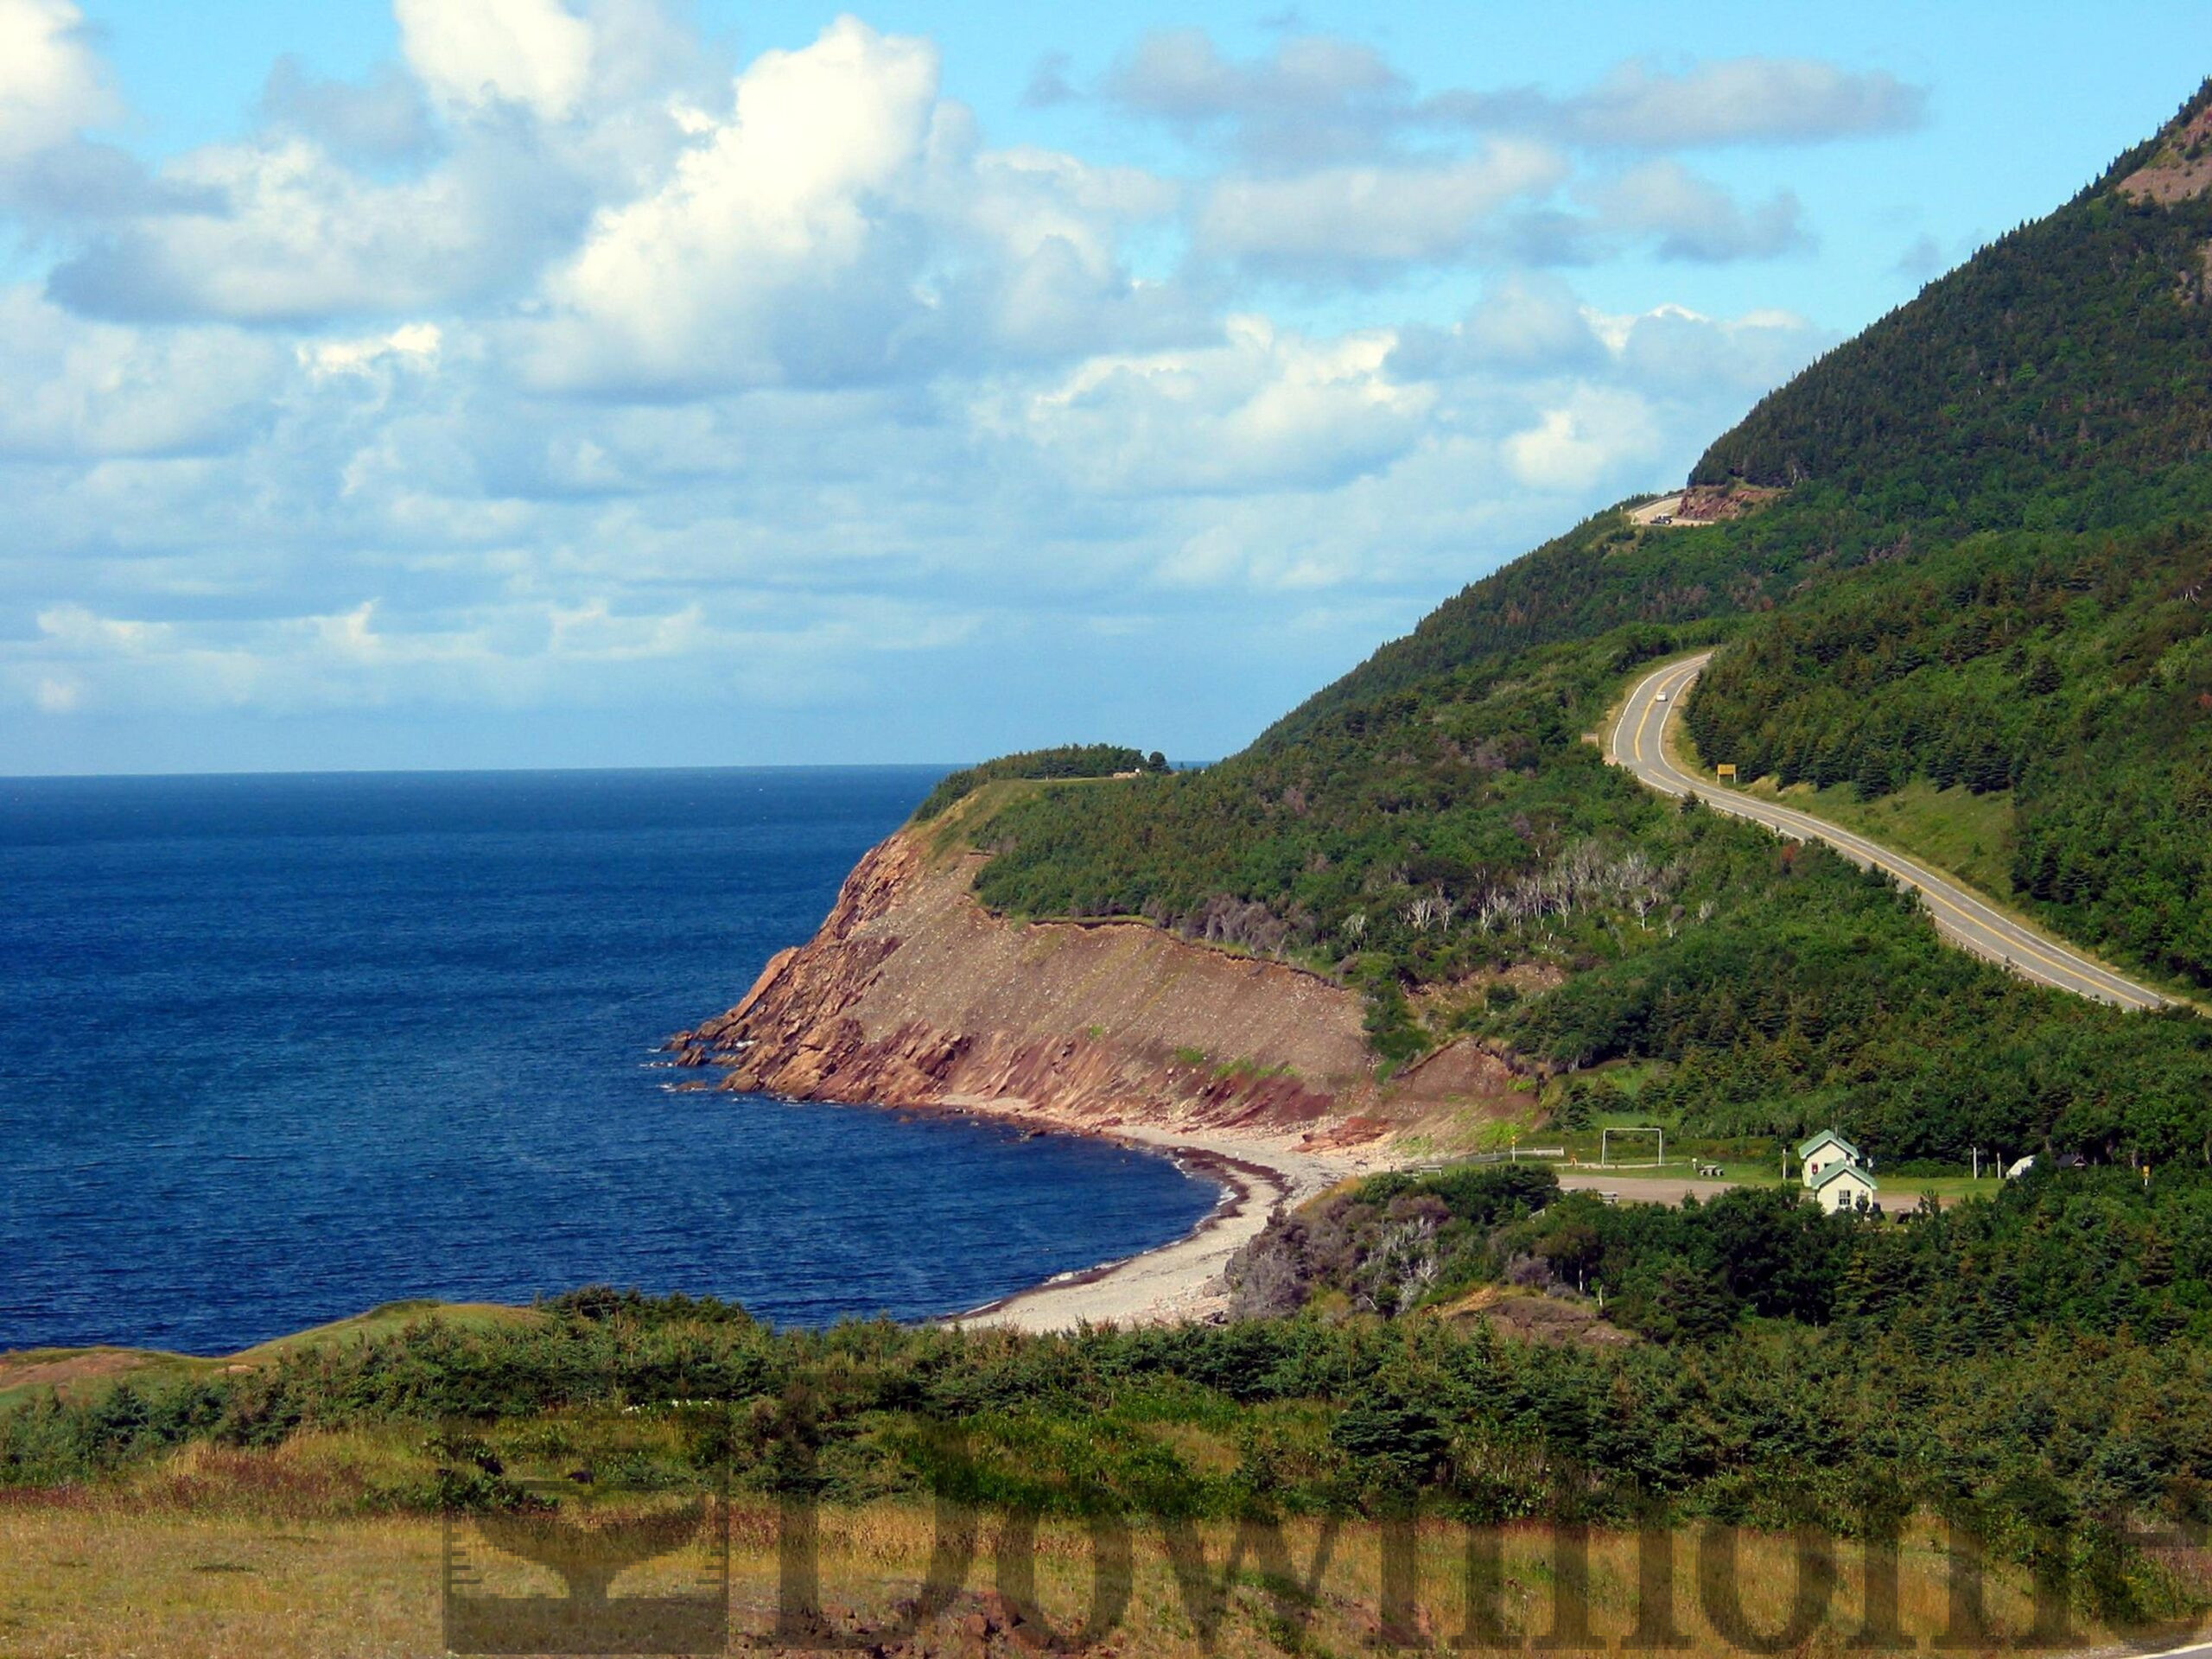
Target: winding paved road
[1638, 741]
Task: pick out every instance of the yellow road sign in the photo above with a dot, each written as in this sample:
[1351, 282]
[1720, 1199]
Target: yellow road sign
[1728, 771]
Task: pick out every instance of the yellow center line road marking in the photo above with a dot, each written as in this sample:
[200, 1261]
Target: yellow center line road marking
[1983, 931]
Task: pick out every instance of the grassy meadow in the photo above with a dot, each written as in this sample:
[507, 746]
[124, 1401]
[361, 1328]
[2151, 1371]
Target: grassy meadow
[254, 1554]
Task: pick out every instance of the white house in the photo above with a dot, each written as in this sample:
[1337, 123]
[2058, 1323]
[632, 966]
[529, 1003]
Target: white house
[1824, 1153]
[1845, 1187]
[1835, 1173]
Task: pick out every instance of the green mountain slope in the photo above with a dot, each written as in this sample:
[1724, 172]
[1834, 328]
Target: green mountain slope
[1991, 485]
[2073, 671]
[2038, 427]
[2060, 380]
[2061, 366]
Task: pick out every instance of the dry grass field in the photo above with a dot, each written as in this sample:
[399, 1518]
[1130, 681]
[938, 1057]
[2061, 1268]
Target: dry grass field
[220, 1553]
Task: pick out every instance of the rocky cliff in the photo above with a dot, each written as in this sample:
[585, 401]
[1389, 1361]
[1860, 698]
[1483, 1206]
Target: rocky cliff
[911, 993]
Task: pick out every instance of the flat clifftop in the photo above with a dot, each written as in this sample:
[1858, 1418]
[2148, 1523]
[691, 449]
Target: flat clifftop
[912, 994]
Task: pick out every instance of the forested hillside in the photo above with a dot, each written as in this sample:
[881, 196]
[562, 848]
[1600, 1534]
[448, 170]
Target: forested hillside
[1984, 569]
[2073, 671]
[2095, 1253]
[2056, 377]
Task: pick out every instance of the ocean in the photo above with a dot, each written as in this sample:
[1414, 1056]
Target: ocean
[276, 1049]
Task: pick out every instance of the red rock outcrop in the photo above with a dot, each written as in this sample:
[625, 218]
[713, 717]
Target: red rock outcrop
[911, 993]
[2181, 169]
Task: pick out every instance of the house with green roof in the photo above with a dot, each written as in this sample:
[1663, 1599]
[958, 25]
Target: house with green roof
[1835, 1173]
[1845, 1187]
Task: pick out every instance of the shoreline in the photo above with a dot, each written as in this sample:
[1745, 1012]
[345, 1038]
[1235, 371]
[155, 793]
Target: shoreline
[1174, 1282]
[1236, 1183]
[1179, 1282]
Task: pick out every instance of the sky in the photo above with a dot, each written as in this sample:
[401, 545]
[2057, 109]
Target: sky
[396, 384]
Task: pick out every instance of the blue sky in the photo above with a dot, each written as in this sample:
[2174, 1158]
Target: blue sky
[612, 382]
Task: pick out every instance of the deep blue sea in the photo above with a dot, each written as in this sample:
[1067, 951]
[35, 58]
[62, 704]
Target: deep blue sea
[276, 1049]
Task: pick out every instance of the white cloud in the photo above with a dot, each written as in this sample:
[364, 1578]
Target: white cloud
[383, 119]
[1691, 218]
[471, 53]
[1265, 408]
[1321, 96]
[1749, 100]
[51, 85]
[1179, 73]
[296, 236]
[567, 364]
[1030, 194]
[1346, 217]
[415, 345]
[766, 256]
[1532, 330]
[1313, 99]
[78, 390]
[516, 653]
[840, 224]
[1529, 323]
[1744, 101]
[455, 180]
[1029, 252]
[1597, 434]
[1346, 174]
[1529, 320]
[1673, 349]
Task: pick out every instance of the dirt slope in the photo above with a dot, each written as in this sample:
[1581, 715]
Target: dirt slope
[2181, 169]
[912, 995]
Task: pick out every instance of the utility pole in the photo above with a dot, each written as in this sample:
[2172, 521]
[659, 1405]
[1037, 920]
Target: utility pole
[1977, 1163]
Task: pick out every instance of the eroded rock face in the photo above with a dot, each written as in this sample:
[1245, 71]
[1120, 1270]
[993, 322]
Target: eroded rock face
[911, 993]
[2181, 169]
